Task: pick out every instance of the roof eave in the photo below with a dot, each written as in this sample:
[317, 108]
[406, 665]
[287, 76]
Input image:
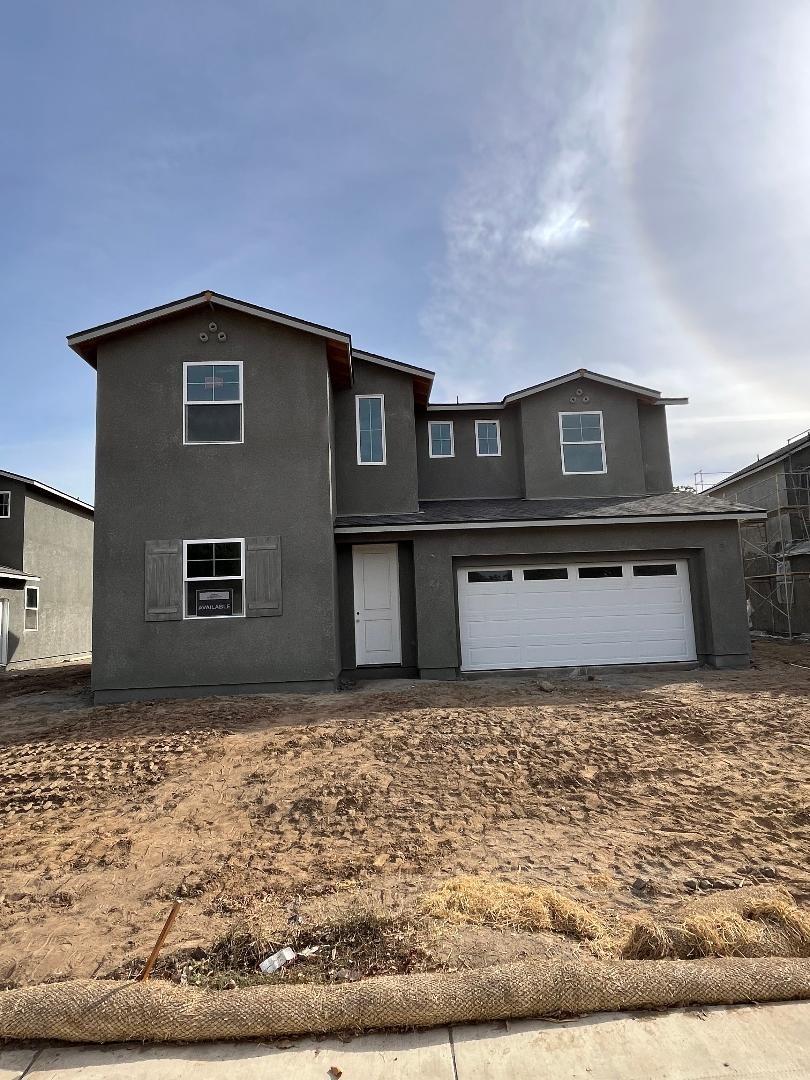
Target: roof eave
[85, 342]
[538, 523]
[585, 373]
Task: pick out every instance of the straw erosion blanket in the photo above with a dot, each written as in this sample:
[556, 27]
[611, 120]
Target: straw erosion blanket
[628, 793]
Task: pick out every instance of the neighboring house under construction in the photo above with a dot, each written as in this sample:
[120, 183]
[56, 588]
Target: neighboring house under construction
[776, 552]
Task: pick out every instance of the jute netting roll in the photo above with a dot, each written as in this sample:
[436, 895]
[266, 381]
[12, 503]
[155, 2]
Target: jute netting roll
[107, 1011]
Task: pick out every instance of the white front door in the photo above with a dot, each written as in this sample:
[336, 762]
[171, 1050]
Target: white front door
[3, 632]
[376, 604]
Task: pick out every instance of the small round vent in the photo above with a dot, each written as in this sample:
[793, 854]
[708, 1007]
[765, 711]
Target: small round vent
[203, 336]
[222, 336]
[212, 326]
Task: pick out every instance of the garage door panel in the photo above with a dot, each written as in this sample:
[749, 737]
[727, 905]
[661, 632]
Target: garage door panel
[559, 622]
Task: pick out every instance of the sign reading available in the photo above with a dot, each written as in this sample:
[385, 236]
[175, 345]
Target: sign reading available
[214, 602]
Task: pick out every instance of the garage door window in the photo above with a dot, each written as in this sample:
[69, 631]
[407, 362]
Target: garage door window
[546, 573]
[599, 571]
[655, 570]
[582, 443]
[489, 575]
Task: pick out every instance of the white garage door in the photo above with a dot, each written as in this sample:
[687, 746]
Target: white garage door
[577, 613]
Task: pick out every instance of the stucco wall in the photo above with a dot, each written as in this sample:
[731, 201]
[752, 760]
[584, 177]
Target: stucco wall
[376, 489]
[467, 476]
[541, 442]
[718, 595]
[59, 550]
[652, 423]
[149, 486]
[12, 529]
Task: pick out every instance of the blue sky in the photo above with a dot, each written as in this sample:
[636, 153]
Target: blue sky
[501, 193]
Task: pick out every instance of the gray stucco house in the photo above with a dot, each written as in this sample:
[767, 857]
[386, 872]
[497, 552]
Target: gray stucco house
[275, 508]
[46, 572]
[776, 551]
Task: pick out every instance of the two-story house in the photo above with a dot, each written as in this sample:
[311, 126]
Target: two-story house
[275, 508]
[46, 572]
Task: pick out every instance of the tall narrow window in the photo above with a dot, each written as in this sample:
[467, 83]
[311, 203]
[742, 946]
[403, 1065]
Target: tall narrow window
[214, 578]
[370, 429]
[5, 504]
[32, 607]
[440, 438]
[582, 443]
[488, 438]
[212, 400]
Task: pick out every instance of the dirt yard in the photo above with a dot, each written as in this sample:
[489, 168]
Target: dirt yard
[627, 793]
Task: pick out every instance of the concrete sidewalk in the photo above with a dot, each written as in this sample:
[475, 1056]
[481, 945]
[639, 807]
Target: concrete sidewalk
[769, 1042]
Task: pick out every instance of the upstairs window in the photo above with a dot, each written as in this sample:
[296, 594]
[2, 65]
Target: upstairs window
[5, 504]
[582, 443]
[32, 607]
[440, 438]
[488, 438]
[370, 429]
[214, 578]
[212, 401]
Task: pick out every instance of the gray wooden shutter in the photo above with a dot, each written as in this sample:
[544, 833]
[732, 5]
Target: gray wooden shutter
[262, 575]
[163, 580]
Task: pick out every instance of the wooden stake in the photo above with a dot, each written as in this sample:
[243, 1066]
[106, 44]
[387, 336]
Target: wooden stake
[164, 933]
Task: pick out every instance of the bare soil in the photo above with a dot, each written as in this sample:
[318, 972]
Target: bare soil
[308, 809]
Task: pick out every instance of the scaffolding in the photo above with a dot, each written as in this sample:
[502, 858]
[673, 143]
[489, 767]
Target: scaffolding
[770, 581]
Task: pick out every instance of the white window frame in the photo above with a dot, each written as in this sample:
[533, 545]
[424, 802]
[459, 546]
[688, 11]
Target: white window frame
[589, 442]
[8, 506]
[35, 588]
[452, 439]
[241, 403]
[231, 577]
[367, 397]
[497, 424]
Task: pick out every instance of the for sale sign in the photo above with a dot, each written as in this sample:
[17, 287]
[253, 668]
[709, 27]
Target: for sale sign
[212, 602]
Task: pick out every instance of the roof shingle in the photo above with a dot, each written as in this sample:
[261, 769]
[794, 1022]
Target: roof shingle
[459, 511]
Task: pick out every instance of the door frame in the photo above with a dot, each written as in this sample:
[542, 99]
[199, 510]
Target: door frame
[392, 550]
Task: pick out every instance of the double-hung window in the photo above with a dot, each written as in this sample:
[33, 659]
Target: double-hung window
[212, 402]
[370, 417]
[440, 438]
[214, 577]
[582, 443]
[5, 504]
[488, 438]
[31, 607]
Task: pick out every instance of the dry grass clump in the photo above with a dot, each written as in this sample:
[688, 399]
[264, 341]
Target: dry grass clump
[773, 927]
[487, 902]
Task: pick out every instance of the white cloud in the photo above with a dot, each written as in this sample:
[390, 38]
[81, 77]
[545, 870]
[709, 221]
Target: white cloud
[561, 227]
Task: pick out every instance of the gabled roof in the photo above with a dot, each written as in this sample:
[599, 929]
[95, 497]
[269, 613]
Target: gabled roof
[338, 342]
[594, 376]
[799, 443]
[53, 492]
[651, 397]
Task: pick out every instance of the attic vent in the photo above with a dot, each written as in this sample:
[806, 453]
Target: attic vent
[212, 326]
[203, 336]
